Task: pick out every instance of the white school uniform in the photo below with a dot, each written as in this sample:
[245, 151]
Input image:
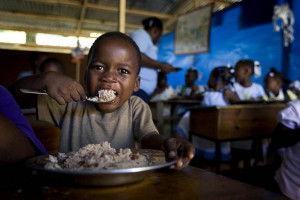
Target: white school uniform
[288, 175]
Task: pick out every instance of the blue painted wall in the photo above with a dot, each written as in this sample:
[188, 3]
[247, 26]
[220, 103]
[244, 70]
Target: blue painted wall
[234, 37]
[294, 65]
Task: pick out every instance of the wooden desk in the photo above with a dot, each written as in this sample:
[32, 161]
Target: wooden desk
[234, 122]
[190, 183]
[174, 104]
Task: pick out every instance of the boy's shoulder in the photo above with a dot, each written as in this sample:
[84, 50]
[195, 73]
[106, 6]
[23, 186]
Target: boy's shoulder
[135, 100]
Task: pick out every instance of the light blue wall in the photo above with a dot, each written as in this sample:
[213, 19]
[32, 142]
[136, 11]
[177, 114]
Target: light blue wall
[229, 43]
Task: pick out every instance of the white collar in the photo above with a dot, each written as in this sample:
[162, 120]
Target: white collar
[280, 96]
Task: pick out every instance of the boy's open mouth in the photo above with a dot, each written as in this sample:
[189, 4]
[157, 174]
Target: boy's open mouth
[104, 96]
[107, 95]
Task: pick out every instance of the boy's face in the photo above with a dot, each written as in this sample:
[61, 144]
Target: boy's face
[114, 65]
[242, 73]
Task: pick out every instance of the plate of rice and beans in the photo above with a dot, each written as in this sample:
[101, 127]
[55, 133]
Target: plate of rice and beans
[100, 165]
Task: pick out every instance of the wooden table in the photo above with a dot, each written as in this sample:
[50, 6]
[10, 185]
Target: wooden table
[174, 104]
[190, 183]
[234, 122]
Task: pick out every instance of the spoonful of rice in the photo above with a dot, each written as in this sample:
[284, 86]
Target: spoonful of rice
[104, 96]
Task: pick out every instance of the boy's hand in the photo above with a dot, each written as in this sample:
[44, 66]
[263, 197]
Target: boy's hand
[63, 88]
[178, 148]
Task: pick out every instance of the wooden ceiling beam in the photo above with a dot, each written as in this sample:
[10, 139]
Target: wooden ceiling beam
[66, 19]
[37, 16]
[106, 8]
[82, 33]
[82, 16]
[122, 16]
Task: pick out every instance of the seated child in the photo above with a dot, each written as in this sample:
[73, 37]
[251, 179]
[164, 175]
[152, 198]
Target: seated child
[243, 86]
[190, 90]
[18, 141]
[246, 90]
[287, 135]
[218, 94]
[52, 64]
[114, 62]
[294, 90]
[163, 91]
[273, 84]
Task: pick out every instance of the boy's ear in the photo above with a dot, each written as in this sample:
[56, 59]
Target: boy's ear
[137, 84]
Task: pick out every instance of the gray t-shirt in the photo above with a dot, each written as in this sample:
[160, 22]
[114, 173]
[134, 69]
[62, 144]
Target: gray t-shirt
[81, 123]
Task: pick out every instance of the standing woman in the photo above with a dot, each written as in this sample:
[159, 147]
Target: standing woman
[146, 39]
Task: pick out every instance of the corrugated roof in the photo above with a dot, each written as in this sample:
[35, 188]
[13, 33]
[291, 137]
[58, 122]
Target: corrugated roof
[81, 17]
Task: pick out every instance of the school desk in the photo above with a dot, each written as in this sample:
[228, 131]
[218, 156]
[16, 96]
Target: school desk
[234, 122]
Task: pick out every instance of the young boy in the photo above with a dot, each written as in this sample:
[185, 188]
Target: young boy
[190, 90]
[246, 90]
[114, 62]
[243, 86]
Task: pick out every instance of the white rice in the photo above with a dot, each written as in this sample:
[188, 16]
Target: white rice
[97, 157]
[106, 95]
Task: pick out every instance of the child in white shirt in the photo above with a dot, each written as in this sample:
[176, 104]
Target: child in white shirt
[287, 135]
[217, 95]
[246, 90]
[243, 86]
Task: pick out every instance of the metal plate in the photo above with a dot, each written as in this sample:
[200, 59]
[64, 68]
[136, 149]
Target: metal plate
[110, 177]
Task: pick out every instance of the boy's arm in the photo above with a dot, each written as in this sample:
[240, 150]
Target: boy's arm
[172, 147]
[58, 86]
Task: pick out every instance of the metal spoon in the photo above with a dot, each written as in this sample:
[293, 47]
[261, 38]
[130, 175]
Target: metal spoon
[43, 92]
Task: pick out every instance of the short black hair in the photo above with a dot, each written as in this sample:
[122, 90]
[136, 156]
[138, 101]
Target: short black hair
[246, 62]
[118, 35]
[152, 22]
[51, 60]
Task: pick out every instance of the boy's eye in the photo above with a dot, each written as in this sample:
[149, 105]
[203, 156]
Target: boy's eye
[97, 67]
[124, 71]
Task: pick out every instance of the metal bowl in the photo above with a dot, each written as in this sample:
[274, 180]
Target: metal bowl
[111, 177]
